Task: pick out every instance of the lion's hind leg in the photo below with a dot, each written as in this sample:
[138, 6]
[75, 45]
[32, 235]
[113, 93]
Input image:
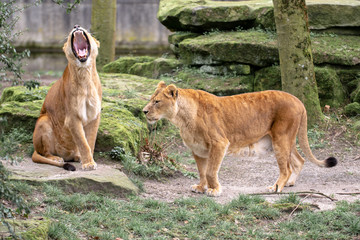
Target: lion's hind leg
[296, 164]
[282, 148]
[43, 140]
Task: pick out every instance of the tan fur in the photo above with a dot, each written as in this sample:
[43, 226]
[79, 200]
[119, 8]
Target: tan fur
[69, 118]
[213, 126]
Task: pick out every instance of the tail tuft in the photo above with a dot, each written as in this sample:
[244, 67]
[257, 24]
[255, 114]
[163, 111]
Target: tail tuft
[330, 162]
[69, 167]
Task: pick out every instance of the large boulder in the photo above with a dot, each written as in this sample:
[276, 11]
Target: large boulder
[155, 68]
[205, 15]
[106, 179]
[123, 64]
[22, 94]
[259, 48]
[215, 84]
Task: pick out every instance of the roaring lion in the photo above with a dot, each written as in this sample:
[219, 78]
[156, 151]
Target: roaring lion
[213, 126]
[69, 119]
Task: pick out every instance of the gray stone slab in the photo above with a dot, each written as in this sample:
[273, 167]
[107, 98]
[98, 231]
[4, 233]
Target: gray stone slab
[105, 179]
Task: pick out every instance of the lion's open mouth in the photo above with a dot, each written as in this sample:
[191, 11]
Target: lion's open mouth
[80, 45]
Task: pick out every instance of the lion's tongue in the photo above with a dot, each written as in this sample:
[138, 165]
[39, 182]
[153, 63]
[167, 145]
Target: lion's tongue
[80, 44]
[82, 53]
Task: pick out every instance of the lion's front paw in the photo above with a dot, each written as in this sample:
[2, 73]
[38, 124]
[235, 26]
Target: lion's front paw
[198, 189]
[214, 192]
[89, 166]
[77, 159]
[274, 189]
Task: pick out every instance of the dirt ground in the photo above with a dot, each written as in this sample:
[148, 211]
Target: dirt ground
[252, 175]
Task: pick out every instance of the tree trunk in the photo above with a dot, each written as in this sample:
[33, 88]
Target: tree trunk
[296, 63]
[103, 24]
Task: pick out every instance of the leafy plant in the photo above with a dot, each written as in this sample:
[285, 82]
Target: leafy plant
[10, 197]
[10, 58]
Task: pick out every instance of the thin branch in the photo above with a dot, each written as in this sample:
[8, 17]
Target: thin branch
[298, 193]
[292, 212]
[353, 193]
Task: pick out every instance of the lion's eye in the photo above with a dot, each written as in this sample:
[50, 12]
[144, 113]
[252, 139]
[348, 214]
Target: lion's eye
[157, 101]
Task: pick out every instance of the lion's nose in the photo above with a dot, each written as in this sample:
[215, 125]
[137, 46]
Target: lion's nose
[145, 111]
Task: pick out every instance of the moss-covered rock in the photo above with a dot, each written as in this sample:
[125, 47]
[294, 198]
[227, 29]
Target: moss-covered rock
[330, 89]
[22, 114]
[30, 229]
[176, 38]
[268, 79]
[22, 94]
[352, 109]
[155, 68]
[218, 85]
[329, 14]
[204, 15]
[256, 48]
[123, 64]
[119, 127]
[259, 48]
[232, 69]
[350, 78]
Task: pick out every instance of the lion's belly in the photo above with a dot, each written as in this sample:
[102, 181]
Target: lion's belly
[259, 148]
[197, 146]
[199, 150]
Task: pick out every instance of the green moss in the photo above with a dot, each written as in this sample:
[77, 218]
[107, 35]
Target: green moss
[120, 82]
[22, 94]
[178, 37]
[256, 48]
[31, 229]
[352, 109]
[155, 68]
[123, 64]
[268, 79]
[233, 69]
[357, 95]
[330, 89]
[119, 127]
[218, 85]
[22, 114]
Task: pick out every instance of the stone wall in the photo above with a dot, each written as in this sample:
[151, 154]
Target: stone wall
[47, 25]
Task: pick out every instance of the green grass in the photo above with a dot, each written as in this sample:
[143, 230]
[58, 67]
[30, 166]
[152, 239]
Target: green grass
[15, 144]
[95, 216]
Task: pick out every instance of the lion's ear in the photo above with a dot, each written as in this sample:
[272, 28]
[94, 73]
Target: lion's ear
[171, 91]
[97, 43]
[161, 85]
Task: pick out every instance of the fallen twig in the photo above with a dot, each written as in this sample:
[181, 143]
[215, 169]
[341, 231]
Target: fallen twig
[298, 193]
[292, 212]
[351, 193]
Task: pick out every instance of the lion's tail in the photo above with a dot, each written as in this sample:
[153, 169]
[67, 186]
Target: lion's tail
[36, 157]
[304, 145]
